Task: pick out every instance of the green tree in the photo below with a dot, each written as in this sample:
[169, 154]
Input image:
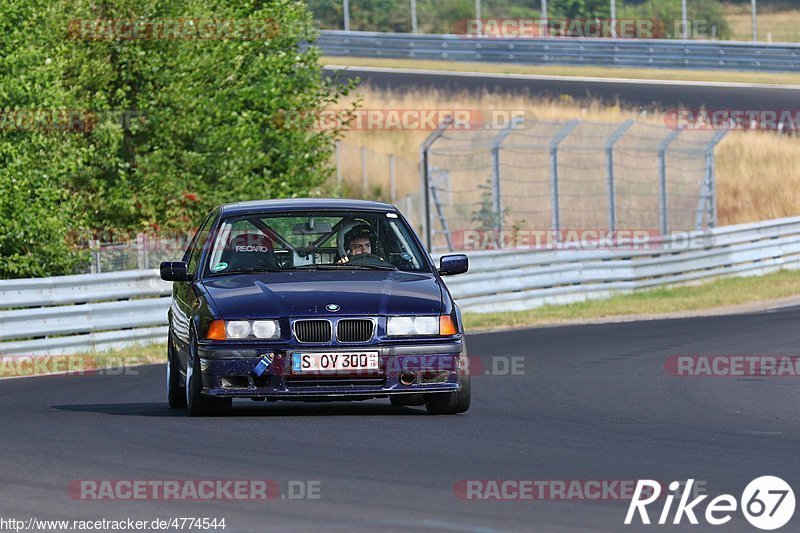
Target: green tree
[578, 9]
[206, 121]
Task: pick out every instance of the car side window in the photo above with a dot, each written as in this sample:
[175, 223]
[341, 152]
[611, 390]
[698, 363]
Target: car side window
[198, 243]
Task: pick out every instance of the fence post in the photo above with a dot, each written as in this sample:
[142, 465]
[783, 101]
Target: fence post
[424, 172]
[140, 251]
[497, 200]
[662, 179]
[94, 250]
[338, 165]
[409, 207]
[560, 136]
[392, 183]
[712, 176]
[612, 194]
[364, 181]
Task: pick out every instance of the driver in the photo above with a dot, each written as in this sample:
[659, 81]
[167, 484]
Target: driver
[357, 241]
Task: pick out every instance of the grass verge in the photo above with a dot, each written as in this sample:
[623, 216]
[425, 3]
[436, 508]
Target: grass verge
[769, 78]
[716, 294]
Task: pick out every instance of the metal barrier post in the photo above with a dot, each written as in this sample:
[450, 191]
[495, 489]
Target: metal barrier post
[392, 183]
[497, 141]
[364, 181]
[94, 247]
[612, 200]
[338, 165]
[662, 178]
[140, 244]
[712, 176]
[409, 209]
[425, 177]
[496, 202]
[560, 136]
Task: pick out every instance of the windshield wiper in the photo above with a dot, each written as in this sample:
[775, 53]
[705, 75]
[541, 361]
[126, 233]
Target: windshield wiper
[310, 267]
[344, 266]
[368, 267]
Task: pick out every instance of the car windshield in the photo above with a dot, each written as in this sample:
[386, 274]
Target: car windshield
[314, 241]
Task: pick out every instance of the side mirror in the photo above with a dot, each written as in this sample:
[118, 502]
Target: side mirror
[450, 265]
[175, 271]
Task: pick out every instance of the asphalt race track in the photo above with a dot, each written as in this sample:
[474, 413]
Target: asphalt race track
[592, 402]
[666, 95]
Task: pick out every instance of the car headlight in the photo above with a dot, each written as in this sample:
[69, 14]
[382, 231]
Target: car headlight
[266, 329]
[399, 326]
[221, 330]
[237, 329]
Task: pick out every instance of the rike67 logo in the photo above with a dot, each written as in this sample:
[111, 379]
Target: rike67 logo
[767, 503]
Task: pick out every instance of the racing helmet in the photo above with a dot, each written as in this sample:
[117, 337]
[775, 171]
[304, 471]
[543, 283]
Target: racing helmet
[359, 232]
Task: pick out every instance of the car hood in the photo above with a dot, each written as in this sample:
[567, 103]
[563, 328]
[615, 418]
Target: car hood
[306, 293]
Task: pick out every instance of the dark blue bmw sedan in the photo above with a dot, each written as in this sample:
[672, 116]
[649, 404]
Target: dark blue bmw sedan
[313, 300]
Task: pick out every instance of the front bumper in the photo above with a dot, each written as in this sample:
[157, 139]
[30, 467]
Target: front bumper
[231, 371]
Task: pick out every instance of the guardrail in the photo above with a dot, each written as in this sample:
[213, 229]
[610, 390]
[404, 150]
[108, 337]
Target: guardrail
[580, 51]
[520, 280]
[68, 314]
[99, 311]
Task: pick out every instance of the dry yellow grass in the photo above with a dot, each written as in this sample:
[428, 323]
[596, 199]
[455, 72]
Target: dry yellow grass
[758, 173]
[758, 177]
[775, 26]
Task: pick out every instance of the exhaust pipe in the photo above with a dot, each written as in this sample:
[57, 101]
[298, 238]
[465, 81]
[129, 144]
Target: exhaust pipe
[408, 378]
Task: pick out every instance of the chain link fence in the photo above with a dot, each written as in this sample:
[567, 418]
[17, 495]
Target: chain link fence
[143, 253]
[532, 175]
[556, 176]
[372, 175]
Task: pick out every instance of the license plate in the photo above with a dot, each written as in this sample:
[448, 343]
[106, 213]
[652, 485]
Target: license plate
[334, 362]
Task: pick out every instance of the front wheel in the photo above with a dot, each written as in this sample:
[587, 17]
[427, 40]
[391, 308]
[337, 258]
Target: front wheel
[450, 403]
[176, 393]
[199, 404]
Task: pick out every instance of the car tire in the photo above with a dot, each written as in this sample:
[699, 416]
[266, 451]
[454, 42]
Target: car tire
[176, 393]
[464, 395]
[407, 400]
[451, 403]
[199, 404]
